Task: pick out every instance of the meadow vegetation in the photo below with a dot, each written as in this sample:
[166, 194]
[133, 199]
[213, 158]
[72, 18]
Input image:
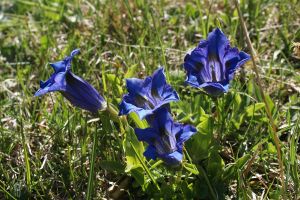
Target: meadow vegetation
[50, 149]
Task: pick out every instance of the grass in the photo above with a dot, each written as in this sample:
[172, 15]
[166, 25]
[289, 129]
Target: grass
[51, 150]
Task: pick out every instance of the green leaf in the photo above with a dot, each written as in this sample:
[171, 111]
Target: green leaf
[139, 123]
[231, 170]
[270, 103]
[199, 144]
[138, 174]
[271, 148]
[132, 160]
[215, 165]
[252, 109]
[191, 168]
[115, 82]
[132, 70]
[206, 125]
[242, 161]
[200, 190]
[55, 16]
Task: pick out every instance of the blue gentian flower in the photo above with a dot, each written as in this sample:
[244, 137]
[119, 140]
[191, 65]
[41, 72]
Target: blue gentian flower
[212, 64]
[79, 92]
[146, 96]
[165, 137]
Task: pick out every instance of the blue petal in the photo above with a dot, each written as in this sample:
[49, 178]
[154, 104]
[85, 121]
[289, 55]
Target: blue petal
[81, 94]
[162, 120]
[65, 64]
[158, 82]
[148, 134]
[215, 89]
[150, 152]
[75, 52]
[148, 95]
[169, 94]
[193, 80]
[231, 53]
[213, 63]
[59, 66]
[137, 86]
[143, 113]
[44, 84]
[186, 133]
[200, 64]
[235, 62]
[217, 43]
[195, 63]
[174, 158]
[127, 106]
[56, 82]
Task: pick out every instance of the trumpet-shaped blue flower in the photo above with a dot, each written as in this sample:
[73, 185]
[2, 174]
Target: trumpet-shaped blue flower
[146, 96]
[212, 64]
[79, 92]
[165, 137]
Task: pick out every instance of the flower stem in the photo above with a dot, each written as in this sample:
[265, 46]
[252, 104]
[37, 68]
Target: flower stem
[91, 174]
[217, 118]
[254, 57]
[113, 113]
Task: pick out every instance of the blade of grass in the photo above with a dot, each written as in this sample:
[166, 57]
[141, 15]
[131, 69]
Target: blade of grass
[145, 167]
[160, 44]
[267, 108]
[90, 188]
[6, 192]
[26, 158]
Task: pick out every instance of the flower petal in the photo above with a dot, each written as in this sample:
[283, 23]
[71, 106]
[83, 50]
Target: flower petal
[212, 64]
[55, 83]
[196, 64]
[128, 105]
[81, 94]
[148, 95]
[59, 66]
[150, 152]
[137, 86]
[158, 82]
[174, 158]
[217, 43]
[65, 64]
[186, 133]
[75, 52]
[215, 89]
[235, 62]
[162, 120]
[169, 94]
[193, 80]
[148, 134]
